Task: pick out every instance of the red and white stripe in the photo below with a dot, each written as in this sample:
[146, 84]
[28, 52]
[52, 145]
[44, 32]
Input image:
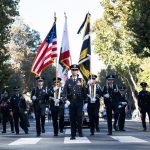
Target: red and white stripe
[45, 56]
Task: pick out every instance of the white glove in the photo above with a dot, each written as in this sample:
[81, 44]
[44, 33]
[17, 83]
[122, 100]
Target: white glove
[55, 88]
[93, 100]
[25, 112]
[56, 102]
[34, 97]
[85, 106]
[46, 109]
[106, 95]
[124, 103]
[119, 106]
[67, 102]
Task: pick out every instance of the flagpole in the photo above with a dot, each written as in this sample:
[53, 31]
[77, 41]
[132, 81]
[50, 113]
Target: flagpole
[89, 15]
[56, 57]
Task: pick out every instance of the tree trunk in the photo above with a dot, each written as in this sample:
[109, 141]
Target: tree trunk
[136, 112]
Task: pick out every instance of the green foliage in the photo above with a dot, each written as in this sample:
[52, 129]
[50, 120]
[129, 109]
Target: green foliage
[113, 38]
[8, 11]
[139, 24]
[24, 42]
[144, 74]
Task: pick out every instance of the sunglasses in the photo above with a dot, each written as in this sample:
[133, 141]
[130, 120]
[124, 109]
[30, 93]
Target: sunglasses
[74, 69]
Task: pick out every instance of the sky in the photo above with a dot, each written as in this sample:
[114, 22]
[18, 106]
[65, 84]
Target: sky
[39, 14]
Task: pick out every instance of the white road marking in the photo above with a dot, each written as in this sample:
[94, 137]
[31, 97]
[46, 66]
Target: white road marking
[68, 131]
[77, 140]
[25, 141]
[128, 139]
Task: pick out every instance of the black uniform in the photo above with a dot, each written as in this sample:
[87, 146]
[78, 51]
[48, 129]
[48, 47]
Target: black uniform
[121, 106]
[111, 103]
[57, 109]
[75, 92]
[93, 106]
[5, 110]
[19, 109]
[39, 105]
[144, 104]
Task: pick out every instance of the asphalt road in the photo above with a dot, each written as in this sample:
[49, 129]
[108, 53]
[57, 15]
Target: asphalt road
[132, 138]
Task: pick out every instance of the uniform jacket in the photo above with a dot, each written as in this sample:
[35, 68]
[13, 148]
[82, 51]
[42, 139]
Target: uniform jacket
[114, 94]
[98, 93]
[144, 99]
[18, 103]
[41, 96]
[74, 90]
[5, 104]
[51, 96]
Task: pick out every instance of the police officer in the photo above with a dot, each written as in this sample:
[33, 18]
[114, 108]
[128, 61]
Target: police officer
[19, 110]
[75, 93]
[5, 110]
[93, 95]
[111, 98]
[56, 105]
[39, 98]
[122, 106]
[144, 104]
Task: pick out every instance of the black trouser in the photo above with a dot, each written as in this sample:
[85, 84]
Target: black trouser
[7, 117]
[61, 119]
[93, 112]
[39, 110]
[20, 116]
[121, 118]
[57, 114]
[75, 111]
[55, 111]
[145, 110]
[109, 109]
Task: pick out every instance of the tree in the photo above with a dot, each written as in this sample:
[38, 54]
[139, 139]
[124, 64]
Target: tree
[113, 42]
[139, 24]
[24, 42]
[8, 11]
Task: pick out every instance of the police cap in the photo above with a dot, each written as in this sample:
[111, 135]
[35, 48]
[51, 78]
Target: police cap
[93, 76]
[122, 88]
[74, 67]
[40, 79]
[110, 77]
[16, 88]
[58, 79]
[143, 84]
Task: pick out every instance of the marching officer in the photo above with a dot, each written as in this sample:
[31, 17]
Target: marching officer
[122, 106]
[19, 110]
[5, 110]
[93, 94]
[39, 99]
[56, 105]
[75, 93]
[111, 99]
[144, 104]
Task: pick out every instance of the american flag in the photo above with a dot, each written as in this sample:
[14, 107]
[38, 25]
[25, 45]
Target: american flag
[47, 52]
